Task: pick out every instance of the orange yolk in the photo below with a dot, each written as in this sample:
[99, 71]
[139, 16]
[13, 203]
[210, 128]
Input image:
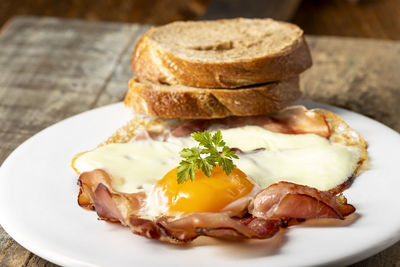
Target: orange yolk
[204, 194]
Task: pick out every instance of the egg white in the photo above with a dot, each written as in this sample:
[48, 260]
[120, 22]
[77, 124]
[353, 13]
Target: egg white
[305, 159]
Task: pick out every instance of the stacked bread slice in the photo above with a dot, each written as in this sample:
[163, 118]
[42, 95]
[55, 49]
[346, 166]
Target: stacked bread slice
[214, 69]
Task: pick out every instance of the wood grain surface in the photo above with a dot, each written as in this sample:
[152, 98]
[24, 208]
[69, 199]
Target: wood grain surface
[276, 9]
[352, 18]
[148, 11]
[51, 69]
[141, 11]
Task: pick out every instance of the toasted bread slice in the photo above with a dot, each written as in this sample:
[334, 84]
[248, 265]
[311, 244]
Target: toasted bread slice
[179, 101]
[222, 53]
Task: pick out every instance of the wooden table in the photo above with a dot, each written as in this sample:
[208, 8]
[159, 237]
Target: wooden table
[352, 18]
[51, 69]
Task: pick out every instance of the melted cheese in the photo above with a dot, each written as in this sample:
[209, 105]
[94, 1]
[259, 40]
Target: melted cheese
[305, 159]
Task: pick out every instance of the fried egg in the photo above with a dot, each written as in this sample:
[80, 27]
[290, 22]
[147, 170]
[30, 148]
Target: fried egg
[266, 158]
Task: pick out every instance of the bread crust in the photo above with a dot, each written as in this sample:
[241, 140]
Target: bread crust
[153, 62]
[178, 101]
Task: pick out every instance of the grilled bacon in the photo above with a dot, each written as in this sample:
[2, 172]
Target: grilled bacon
[270, 210]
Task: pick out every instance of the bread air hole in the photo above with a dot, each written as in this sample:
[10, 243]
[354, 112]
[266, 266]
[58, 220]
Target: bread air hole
[228, 45]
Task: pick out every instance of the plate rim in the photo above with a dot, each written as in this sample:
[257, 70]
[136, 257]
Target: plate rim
[60, 258]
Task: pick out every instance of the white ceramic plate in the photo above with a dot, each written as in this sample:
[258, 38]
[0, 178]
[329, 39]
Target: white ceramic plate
[38, 207]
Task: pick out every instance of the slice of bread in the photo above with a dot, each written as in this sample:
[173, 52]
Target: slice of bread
[222, 53]
[179, 101]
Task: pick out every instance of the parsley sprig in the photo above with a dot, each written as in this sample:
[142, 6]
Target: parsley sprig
[212, 151]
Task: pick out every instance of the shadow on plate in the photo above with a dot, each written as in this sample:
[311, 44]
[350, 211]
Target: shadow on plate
[260, 248]
[327, 222]
[241, 248]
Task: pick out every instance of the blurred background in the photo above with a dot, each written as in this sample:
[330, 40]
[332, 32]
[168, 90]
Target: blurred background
[355, 18]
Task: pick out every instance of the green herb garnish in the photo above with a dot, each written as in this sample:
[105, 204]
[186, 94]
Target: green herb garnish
[205, 156]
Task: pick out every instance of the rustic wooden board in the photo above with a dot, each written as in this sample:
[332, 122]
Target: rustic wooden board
[352, 18]
[138, 11]
[362, 75]
[276, 9]
[51, 69]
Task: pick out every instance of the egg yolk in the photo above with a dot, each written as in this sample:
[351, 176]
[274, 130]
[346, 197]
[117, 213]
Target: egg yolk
[204, 194]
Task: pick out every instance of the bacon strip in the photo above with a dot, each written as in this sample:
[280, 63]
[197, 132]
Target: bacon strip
[288, 200]
[96, 193]
[216, 225]
[291, 120]
[106, 207]
[88, 182]
[188, 228]
[273, 207]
